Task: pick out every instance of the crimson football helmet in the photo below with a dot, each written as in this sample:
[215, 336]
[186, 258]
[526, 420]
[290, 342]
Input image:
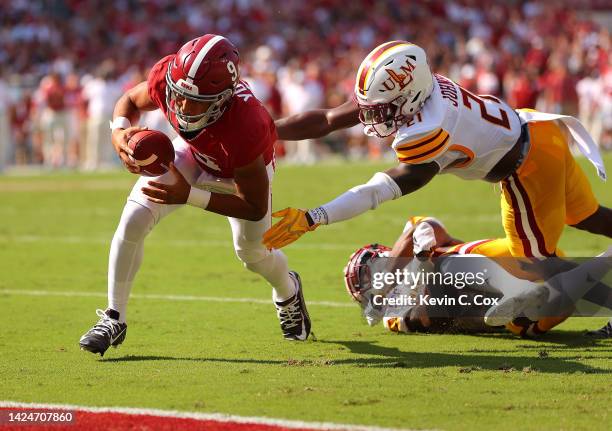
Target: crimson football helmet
[357, 277]
[205, 69]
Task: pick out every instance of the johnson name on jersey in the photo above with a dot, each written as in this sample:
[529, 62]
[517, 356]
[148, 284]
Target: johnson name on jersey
[463, 133]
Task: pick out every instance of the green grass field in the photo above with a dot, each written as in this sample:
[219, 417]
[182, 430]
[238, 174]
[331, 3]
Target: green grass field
[195, 354]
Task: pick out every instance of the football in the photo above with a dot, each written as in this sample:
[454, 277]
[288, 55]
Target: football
[153, 152]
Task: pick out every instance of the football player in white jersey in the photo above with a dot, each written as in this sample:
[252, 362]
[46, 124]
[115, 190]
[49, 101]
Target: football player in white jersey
[440, 127]
[524, 307]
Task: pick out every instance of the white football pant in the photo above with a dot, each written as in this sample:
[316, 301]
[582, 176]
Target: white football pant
[140, 216]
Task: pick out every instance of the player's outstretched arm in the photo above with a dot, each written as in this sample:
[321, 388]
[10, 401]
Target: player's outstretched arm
[317, 122]
[410, 178]
[382, 187]
[127, 112]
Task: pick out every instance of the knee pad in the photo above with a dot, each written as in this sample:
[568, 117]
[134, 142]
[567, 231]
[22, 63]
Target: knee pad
[136, 222]
[253, 257]
[270, 265]
[257, 267]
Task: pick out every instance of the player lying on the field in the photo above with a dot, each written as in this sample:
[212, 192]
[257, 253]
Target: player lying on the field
[224, 132]
[523, 307]
[440, 127]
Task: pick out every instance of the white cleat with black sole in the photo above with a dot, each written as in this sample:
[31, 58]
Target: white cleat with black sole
[510, 307]
[292, 313]
[107, 332]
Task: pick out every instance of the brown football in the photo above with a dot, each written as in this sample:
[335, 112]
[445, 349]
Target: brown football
[153, 151]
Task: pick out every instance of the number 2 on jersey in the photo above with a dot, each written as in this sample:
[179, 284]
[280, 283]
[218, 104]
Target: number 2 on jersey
[502, 121]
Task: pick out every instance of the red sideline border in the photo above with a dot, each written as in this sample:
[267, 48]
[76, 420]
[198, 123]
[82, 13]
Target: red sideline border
[137, 419]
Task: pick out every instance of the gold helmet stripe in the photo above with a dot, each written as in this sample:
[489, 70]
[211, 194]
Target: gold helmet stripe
[367, 65]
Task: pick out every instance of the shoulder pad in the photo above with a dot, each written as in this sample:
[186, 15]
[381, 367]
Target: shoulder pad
[423, 147]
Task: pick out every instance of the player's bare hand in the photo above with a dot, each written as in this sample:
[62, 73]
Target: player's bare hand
[120, 139]
[169, 194]
[292, 225]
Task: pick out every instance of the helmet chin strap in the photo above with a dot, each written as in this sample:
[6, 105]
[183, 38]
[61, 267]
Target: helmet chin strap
[380, 130]
[200, 123]
[369, 131]
[192, 127]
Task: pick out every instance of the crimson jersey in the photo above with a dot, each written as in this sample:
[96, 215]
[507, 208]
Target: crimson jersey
[244, 132]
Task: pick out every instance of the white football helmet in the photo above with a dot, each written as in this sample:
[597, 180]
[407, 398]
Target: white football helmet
[392, 84]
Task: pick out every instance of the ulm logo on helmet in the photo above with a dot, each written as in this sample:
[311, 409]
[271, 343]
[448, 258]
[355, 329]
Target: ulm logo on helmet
[401, 78]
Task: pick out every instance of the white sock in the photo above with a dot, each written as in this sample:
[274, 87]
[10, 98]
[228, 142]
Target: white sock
[283, 293]
[578, 281]
[126, 254]
[567, 288]
[275, 270]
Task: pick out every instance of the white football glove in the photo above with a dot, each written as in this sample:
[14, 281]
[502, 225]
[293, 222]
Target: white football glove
[424, 238]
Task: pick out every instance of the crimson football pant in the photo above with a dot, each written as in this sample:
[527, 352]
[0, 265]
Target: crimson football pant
[140, 216]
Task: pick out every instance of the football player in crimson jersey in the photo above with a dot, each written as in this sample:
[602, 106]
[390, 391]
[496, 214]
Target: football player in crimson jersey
[427, 237]
[440, 127]
[224, 164]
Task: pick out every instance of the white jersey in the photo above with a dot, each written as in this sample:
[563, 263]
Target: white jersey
[464, 134]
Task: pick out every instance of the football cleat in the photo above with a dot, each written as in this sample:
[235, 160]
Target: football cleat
[510, 307]
[605, 332]
[107, 332]
[293, 315]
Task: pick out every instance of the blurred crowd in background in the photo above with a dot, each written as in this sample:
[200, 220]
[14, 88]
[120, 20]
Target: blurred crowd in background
[64, 63]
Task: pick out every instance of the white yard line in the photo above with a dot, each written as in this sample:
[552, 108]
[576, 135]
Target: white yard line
[75, 239]
[218, 417]
[153, 296]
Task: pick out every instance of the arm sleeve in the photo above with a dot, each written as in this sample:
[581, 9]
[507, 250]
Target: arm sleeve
[380, 188]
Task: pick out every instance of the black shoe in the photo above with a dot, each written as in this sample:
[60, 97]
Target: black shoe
[107, 332]
[293, 315]
[605, 332]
